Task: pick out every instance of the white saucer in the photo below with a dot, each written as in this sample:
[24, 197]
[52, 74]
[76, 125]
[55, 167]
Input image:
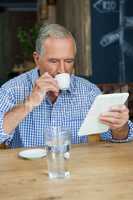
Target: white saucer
[32, 153]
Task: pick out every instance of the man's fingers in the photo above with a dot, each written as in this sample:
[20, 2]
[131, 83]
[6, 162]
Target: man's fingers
[43, 84]
[46, 74]
[117, 112]
[110, 120]
[47, 83]
[117, 115]
[119, 108]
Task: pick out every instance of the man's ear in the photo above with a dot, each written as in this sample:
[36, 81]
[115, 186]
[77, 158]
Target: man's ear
[36, 58]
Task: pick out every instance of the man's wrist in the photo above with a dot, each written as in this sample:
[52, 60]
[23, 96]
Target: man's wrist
[28, 106]
[121, 133]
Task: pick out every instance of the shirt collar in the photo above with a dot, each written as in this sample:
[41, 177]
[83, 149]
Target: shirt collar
[71, 88]
[35, 75]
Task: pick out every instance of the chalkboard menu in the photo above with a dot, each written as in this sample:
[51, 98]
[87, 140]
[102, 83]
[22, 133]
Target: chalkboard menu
[112, 41]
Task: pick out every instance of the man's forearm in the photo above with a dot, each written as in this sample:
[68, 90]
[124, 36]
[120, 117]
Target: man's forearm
[15, 116]
[121, 133]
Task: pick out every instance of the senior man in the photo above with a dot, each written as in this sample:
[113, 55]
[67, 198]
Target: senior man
[33, 101]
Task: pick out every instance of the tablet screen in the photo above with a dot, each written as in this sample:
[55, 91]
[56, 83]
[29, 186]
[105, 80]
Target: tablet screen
[101, 104]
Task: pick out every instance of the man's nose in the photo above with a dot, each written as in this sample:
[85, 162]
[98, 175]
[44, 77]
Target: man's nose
[61, 68]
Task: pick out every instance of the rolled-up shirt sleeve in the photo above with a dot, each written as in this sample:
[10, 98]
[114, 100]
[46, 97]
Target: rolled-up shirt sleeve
[108, 135]
[6, 103]
[4, 138]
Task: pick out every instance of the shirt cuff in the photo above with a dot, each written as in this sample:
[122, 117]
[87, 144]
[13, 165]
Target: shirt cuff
[108, 135]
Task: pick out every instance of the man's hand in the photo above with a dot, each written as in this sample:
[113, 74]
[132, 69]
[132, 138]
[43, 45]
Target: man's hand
[117, 119]
[44, 84]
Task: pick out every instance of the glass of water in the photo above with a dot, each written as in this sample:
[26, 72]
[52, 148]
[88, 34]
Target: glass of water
[58, 143]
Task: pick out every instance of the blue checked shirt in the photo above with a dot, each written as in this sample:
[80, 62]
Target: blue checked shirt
[68, 111]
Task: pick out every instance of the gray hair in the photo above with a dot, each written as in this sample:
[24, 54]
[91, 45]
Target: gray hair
[52, 30]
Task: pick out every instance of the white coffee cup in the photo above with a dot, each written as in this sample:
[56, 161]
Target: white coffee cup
[63, 81]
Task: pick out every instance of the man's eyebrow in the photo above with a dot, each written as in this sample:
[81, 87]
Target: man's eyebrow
[60, 59]
[53, 59]
[69, 59]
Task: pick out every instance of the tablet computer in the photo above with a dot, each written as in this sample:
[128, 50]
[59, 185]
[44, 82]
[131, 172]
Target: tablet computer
[101, 104]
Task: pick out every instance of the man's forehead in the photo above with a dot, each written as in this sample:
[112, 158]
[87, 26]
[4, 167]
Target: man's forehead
[52, 39]
[59, 45]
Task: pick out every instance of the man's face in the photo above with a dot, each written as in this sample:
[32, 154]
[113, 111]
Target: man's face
[58, 56]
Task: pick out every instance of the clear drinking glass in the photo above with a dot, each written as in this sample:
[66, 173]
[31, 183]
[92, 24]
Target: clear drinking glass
[58, 143]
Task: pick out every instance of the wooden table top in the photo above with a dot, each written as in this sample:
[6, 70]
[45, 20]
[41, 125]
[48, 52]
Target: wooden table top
[98, 171]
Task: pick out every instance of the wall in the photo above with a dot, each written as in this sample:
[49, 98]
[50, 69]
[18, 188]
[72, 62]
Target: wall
[4, 46]
[10, 51]
[75, 15]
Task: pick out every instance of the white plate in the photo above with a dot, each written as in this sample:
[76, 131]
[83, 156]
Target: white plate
[32, 153]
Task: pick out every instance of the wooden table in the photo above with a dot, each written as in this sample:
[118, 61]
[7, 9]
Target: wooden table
[102, 171]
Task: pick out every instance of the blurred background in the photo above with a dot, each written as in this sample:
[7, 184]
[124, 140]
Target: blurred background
[103, 30]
